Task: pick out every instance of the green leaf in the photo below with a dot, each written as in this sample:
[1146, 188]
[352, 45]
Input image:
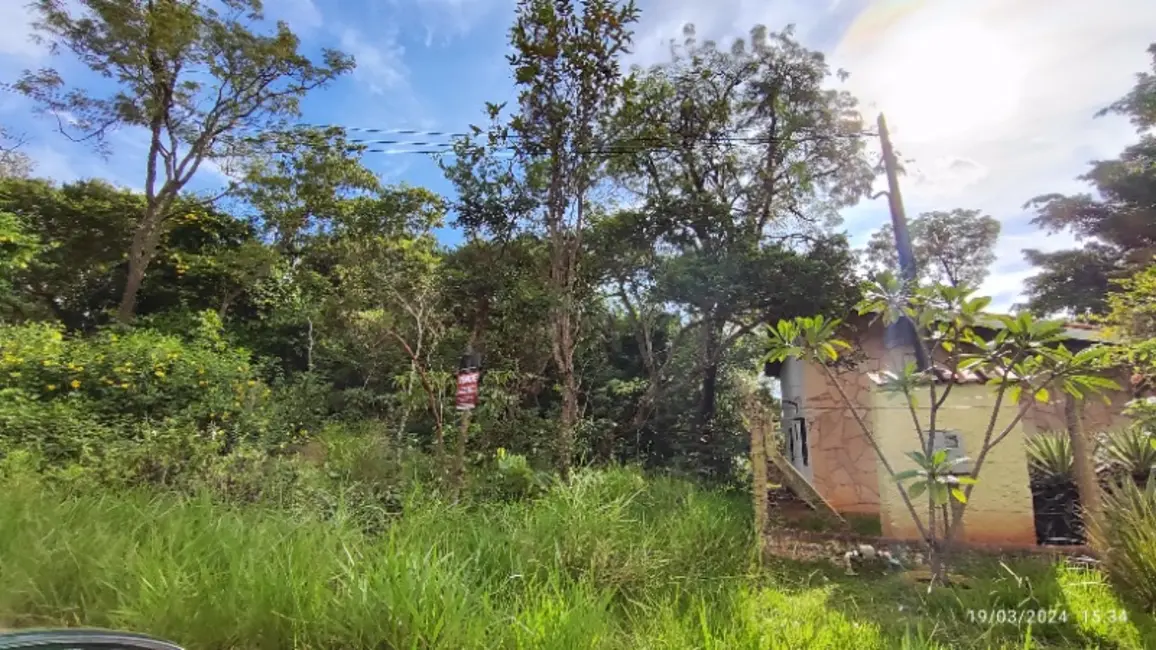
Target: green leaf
[939, 457]
[918, 457]
[1013, 393]
[940, 494]
[911, 473]
[959, 495]
[916, 489]
[1042, 395]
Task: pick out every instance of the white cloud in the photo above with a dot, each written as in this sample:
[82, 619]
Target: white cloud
[723, 20]
[1009, 87]
[446, 19]
[380, 65]
[302, 15]
[16, 33]
[991, 101]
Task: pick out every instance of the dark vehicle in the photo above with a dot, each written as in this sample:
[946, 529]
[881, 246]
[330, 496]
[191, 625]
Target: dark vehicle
[81, 639]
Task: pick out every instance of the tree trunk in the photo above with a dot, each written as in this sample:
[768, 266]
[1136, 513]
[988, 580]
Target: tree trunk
[140, 255]
[714, 459]
[136, 274]
[567, 434]
[1084, 465]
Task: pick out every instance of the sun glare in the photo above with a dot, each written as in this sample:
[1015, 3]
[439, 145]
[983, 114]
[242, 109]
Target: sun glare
[937, 74]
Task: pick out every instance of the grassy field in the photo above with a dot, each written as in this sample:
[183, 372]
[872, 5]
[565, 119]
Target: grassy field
[614, 561]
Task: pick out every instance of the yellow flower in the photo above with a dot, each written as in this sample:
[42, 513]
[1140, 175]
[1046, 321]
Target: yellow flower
[204, 383]
[252, 382]
[125, 386]
[159, 373]
[75, 383]
[51, 386]
[46, 362]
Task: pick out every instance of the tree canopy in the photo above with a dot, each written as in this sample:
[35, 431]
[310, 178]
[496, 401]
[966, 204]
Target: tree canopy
[1117, 221]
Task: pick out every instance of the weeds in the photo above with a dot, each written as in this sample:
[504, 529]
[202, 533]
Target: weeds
[612, 560]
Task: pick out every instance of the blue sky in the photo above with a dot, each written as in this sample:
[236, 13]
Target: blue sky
[991, 101]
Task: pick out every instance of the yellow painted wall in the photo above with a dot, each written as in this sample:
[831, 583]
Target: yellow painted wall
[1000, 511]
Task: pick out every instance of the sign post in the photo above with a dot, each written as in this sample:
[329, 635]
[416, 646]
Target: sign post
[469, 375]
[467, 397]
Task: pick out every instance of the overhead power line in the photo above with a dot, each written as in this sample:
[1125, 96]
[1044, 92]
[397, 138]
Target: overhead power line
[443, 142]
[635, 144]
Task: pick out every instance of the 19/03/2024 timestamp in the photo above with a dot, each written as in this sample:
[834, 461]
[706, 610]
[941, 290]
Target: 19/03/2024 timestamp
[1044, 616]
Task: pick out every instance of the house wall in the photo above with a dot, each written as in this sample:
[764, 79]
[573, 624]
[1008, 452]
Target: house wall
[796, 427]
[1097, 416]
[843, 464]
[1000, 508]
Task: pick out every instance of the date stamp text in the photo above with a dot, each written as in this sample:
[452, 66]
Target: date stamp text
[1044, 616]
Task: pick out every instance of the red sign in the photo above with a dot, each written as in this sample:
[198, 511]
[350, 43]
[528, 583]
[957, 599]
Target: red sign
[467, 390]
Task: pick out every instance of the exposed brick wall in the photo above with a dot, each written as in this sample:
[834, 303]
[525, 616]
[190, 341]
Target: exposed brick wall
[844, 464]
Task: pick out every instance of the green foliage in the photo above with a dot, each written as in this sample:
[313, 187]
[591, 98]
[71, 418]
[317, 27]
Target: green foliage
[569, 570]
[17, 247]
[1116, 220]
[935, 478]
[615, 560]
[954, 248]
[198, 78]
[140, 398]
[515, 478]
[1126, 540]
[1050, 458]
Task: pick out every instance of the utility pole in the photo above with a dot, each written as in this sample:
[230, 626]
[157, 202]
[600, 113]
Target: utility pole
[902, 333]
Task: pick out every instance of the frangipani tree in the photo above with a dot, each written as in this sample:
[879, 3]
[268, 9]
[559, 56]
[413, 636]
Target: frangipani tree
[1024, 356]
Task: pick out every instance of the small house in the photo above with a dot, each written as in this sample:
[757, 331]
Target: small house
[824, 438]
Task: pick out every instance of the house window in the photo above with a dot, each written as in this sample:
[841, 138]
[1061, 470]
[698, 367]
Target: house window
[797, 441]
[951, 441]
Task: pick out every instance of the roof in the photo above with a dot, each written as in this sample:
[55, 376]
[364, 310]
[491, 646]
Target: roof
[1075, 331]
[943, 375]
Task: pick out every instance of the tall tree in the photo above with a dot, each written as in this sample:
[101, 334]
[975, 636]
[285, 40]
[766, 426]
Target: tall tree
[955, 247]
[1117, 220]
[201, 82]
[566, 68]
[739, 158]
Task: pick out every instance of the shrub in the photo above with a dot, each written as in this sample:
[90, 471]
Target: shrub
[81, 387]
[141, 374]
[1126, 540]
[514, 478]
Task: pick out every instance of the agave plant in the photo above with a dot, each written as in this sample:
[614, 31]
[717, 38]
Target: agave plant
[1125, 538]
[1130, 451]
[1050, 458]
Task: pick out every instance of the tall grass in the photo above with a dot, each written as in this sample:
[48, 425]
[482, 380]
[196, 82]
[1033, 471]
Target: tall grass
[613, 560]
[561, 572]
